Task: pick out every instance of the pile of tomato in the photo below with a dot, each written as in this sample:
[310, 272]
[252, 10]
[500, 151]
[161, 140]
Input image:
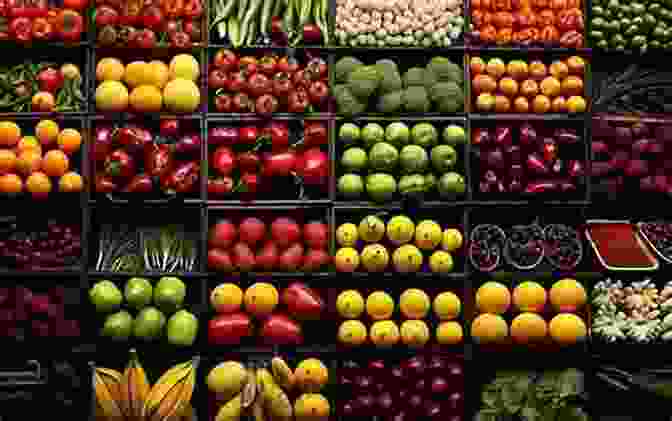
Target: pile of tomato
[35, 20]
[528, 22]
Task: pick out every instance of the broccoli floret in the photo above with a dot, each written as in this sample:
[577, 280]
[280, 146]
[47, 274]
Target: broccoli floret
[346, 102]
[446, 90]
[391, 102]
[445, 70]
[344, 67]
[364, 81]
[415, 76]
[416, 99]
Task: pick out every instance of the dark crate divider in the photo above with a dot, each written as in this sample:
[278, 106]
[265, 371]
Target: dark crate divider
[194, 124]
[315, 332]
[261, 357]
[462, 165]
[281, 186]
[405, 59]
[508, 216]
[395, 292]
[127, 55]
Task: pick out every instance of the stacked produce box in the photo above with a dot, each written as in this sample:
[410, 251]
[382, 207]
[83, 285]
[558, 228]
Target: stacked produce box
[334, 209]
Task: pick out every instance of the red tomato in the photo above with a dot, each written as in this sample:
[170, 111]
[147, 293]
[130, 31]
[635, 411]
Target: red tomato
[75, 4]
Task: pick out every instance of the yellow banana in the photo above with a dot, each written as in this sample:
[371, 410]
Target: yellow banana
[134, 388]
[275, 399]
[258, 410]
[231, 411]
[170, 379]
[265, 381]
[107, 391]
[282, 374]
[172, 404]
[249, 391]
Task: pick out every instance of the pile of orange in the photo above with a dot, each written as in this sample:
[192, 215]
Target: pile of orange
[520, 87]
[38, 163]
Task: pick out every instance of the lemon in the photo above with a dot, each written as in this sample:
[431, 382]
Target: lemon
[159, 73]
[379, 305]
[384, 333]
[371, 229]
[375, 258]
[441, 262]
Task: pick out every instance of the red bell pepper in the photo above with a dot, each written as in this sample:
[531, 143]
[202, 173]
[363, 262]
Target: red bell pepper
[183, 179]
[278, 133]
[159, 161]
[69, 25]
[249, 183]
[104, 184]
[141, 183]
[119, 164]
[220, 186]
[192, 9]
[21, 29]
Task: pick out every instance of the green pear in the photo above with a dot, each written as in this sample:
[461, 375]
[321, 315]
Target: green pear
[182, 328]
[105, 296]
[169, 294]
[149, 324]
[138, 293]
[118, 326]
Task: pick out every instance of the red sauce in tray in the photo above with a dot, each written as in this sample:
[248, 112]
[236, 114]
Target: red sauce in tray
[618, 245]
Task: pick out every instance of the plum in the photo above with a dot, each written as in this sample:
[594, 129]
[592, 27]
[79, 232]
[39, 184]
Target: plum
[420, 385]
[348, 408]
[40, 303]
[39, 328]
[566, 136]
[484, 187]
[455, 371]
[397, 373]
[401, 416]
[663, 133]
[402, 394]
[481, 136]
[345, 380]
[598, 169]
[660, 183]
[641, 147]
[490, 177]
[4, 296]
[416, 366]
[515, 185]
[365, 403]
[455, 401]
[6, 316]
[67, 328]
[415, 401]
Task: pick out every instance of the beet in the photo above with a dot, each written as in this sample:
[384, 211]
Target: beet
[575, 168]
[4, 296]
[599, 148]
[503, 136]
[566, 136]
[636, 168]
[515, 185]
[536, 165]
[484, 187]
[6, 316]
[494, 158]
[598, 169]
[557, 166]
[528, 134]
[655, 148]
[23, 295]
[619, 159]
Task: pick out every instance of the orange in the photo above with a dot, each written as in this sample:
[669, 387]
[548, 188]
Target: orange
[576, 65]
[7, 161]
[28, 162]
[517, 69]
[559, 105]
[29, 143]
[572, 85]
[47, 131]
[576, 104]
[71, 182]
[10, 183]
[476, 65]
[541, 104]
[55, 163]
[550, 87]
[495, 67]
[537, 70]
[69, 140]
[529, 88]
[502, 104]
[508, 86]
[10, 133]
[38, 183]
[521, 105]
[484, 84]
[559, 70]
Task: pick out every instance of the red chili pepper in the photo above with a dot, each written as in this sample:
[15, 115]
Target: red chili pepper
[220, 186]
[104, 184]
[278, 133]
[159, 161]
[249, 135]
[21, 29]
[141, 183]
[249, 183]
[192, 9]
[4, 8]
[183, 179]
[314, 134]
[69, 25]
[119, 164]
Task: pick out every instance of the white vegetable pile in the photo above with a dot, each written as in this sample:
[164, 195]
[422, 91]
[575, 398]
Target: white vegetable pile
[398, 23]
[639, 312]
